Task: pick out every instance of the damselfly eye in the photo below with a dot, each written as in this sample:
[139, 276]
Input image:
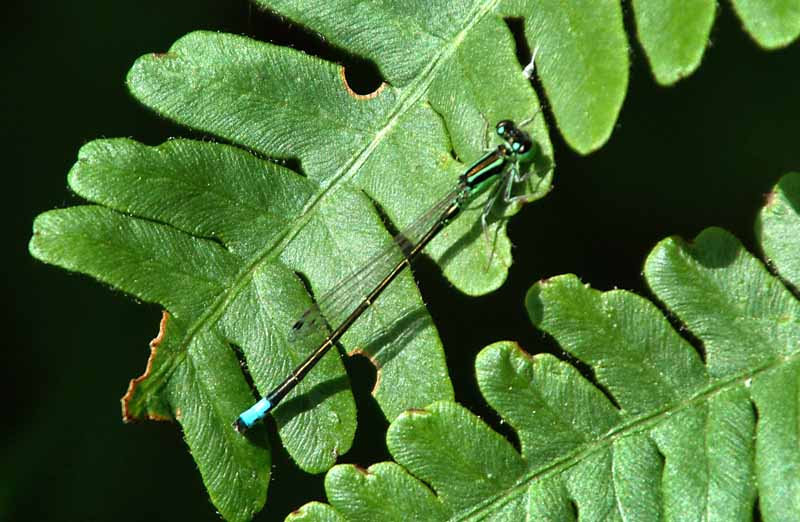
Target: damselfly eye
[504, 127]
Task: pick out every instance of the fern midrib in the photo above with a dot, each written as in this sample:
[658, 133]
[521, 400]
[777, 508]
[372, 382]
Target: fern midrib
[406, 101]
[409, 97]
[634, 425]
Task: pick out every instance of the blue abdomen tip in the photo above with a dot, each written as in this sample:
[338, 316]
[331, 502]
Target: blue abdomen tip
[252, 415]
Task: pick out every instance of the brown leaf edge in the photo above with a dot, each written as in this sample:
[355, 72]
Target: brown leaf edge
[154, 344]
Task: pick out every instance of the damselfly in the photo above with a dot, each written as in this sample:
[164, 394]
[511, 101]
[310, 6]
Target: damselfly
[348, 300]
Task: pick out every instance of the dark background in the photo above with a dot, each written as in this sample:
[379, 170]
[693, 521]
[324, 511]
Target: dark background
[681, 159]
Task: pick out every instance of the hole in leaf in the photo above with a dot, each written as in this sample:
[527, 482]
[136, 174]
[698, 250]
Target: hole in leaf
[363, 78]
[362, 75]
[362, 371]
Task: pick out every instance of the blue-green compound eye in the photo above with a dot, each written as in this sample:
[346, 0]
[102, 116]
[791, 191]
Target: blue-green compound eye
[516, 145]
[503, 127]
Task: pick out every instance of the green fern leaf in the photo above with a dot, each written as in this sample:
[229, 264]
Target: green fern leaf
[772, 23]
[673, 35]
[671, 435]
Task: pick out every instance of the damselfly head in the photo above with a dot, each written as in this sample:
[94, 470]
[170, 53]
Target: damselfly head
[517, 141]
[503, 127]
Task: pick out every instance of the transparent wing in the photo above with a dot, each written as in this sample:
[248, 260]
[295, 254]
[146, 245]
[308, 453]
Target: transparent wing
[338, 303]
